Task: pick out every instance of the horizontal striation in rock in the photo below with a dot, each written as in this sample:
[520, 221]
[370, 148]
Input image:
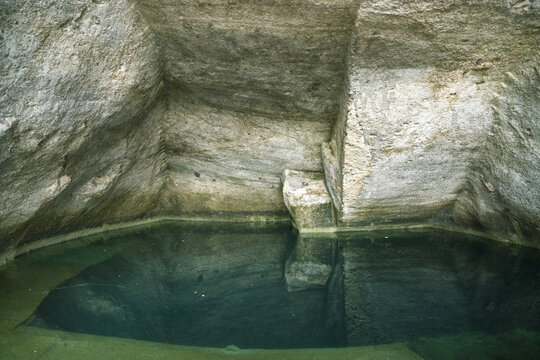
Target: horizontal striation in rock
[232, 161]
[277, 57]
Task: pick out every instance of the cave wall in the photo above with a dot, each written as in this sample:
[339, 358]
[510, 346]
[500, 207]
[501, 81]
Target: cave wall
[252, 88]
[438, 119]
[113, 111]
[76, 149]
[280, 58]
[228, 163]
[501, 193]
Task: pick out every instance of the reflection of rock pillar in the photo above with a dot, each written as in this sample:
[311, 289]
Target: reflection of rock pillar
[315, 263]
[311, 262]
[335, 302]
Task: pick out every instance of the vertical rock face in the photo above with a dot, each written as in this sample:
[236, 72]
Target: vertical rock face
[406, 143]
[426, 111]
[502, 189]
[78, 78]
[281, 58]
[117, 110]
[229, 162]
[252, 89]
[427, 124]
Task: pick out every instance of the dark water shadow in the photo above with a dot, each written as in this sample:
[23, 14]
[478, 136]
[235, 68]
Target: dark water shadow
[193, 285]
[265, 287]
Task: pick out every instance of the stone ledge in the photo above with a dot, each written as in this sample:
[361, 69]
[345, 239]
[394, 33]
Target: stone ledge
[307, 199]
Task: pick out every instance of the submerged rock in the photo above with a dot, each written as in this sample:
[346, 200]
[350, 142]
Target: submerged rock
[217, 285]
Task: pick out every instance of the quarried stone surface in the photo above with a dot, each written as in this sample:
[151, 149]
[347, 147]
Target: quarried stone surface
[307, 199]
[438, 121]
[426, 111]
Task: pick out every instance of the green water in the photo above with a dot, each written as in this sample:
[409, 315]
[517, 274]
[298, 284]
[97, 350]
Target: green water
[205, 291]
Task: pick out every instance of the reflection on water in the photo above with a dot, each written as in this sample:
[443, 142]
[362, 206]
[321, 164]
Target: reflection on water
[407, 286]
[266, 288]
[193, 286]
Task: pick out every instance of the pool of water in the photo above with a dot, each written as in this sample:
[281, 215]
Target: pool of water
[441, 295]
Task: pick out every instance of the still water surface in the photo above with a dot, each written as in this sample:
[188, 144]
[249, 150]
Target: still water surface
[445, 295]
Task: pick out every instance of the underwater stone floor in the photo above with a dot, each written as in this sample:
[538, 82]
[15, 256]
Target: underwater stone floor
[215, 291]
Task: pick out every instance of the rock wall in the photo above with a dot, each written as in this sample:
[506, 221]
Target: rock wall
[78, 79]
[252, 89]
[228, 163]
[282, 58]
[439, 119]
[111, 111]
[502, 189]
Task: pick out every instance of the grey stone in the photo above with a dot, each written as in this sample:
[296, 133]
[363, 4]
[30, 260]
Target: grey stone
[427, 132]
[425, 113]
[307, 199]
